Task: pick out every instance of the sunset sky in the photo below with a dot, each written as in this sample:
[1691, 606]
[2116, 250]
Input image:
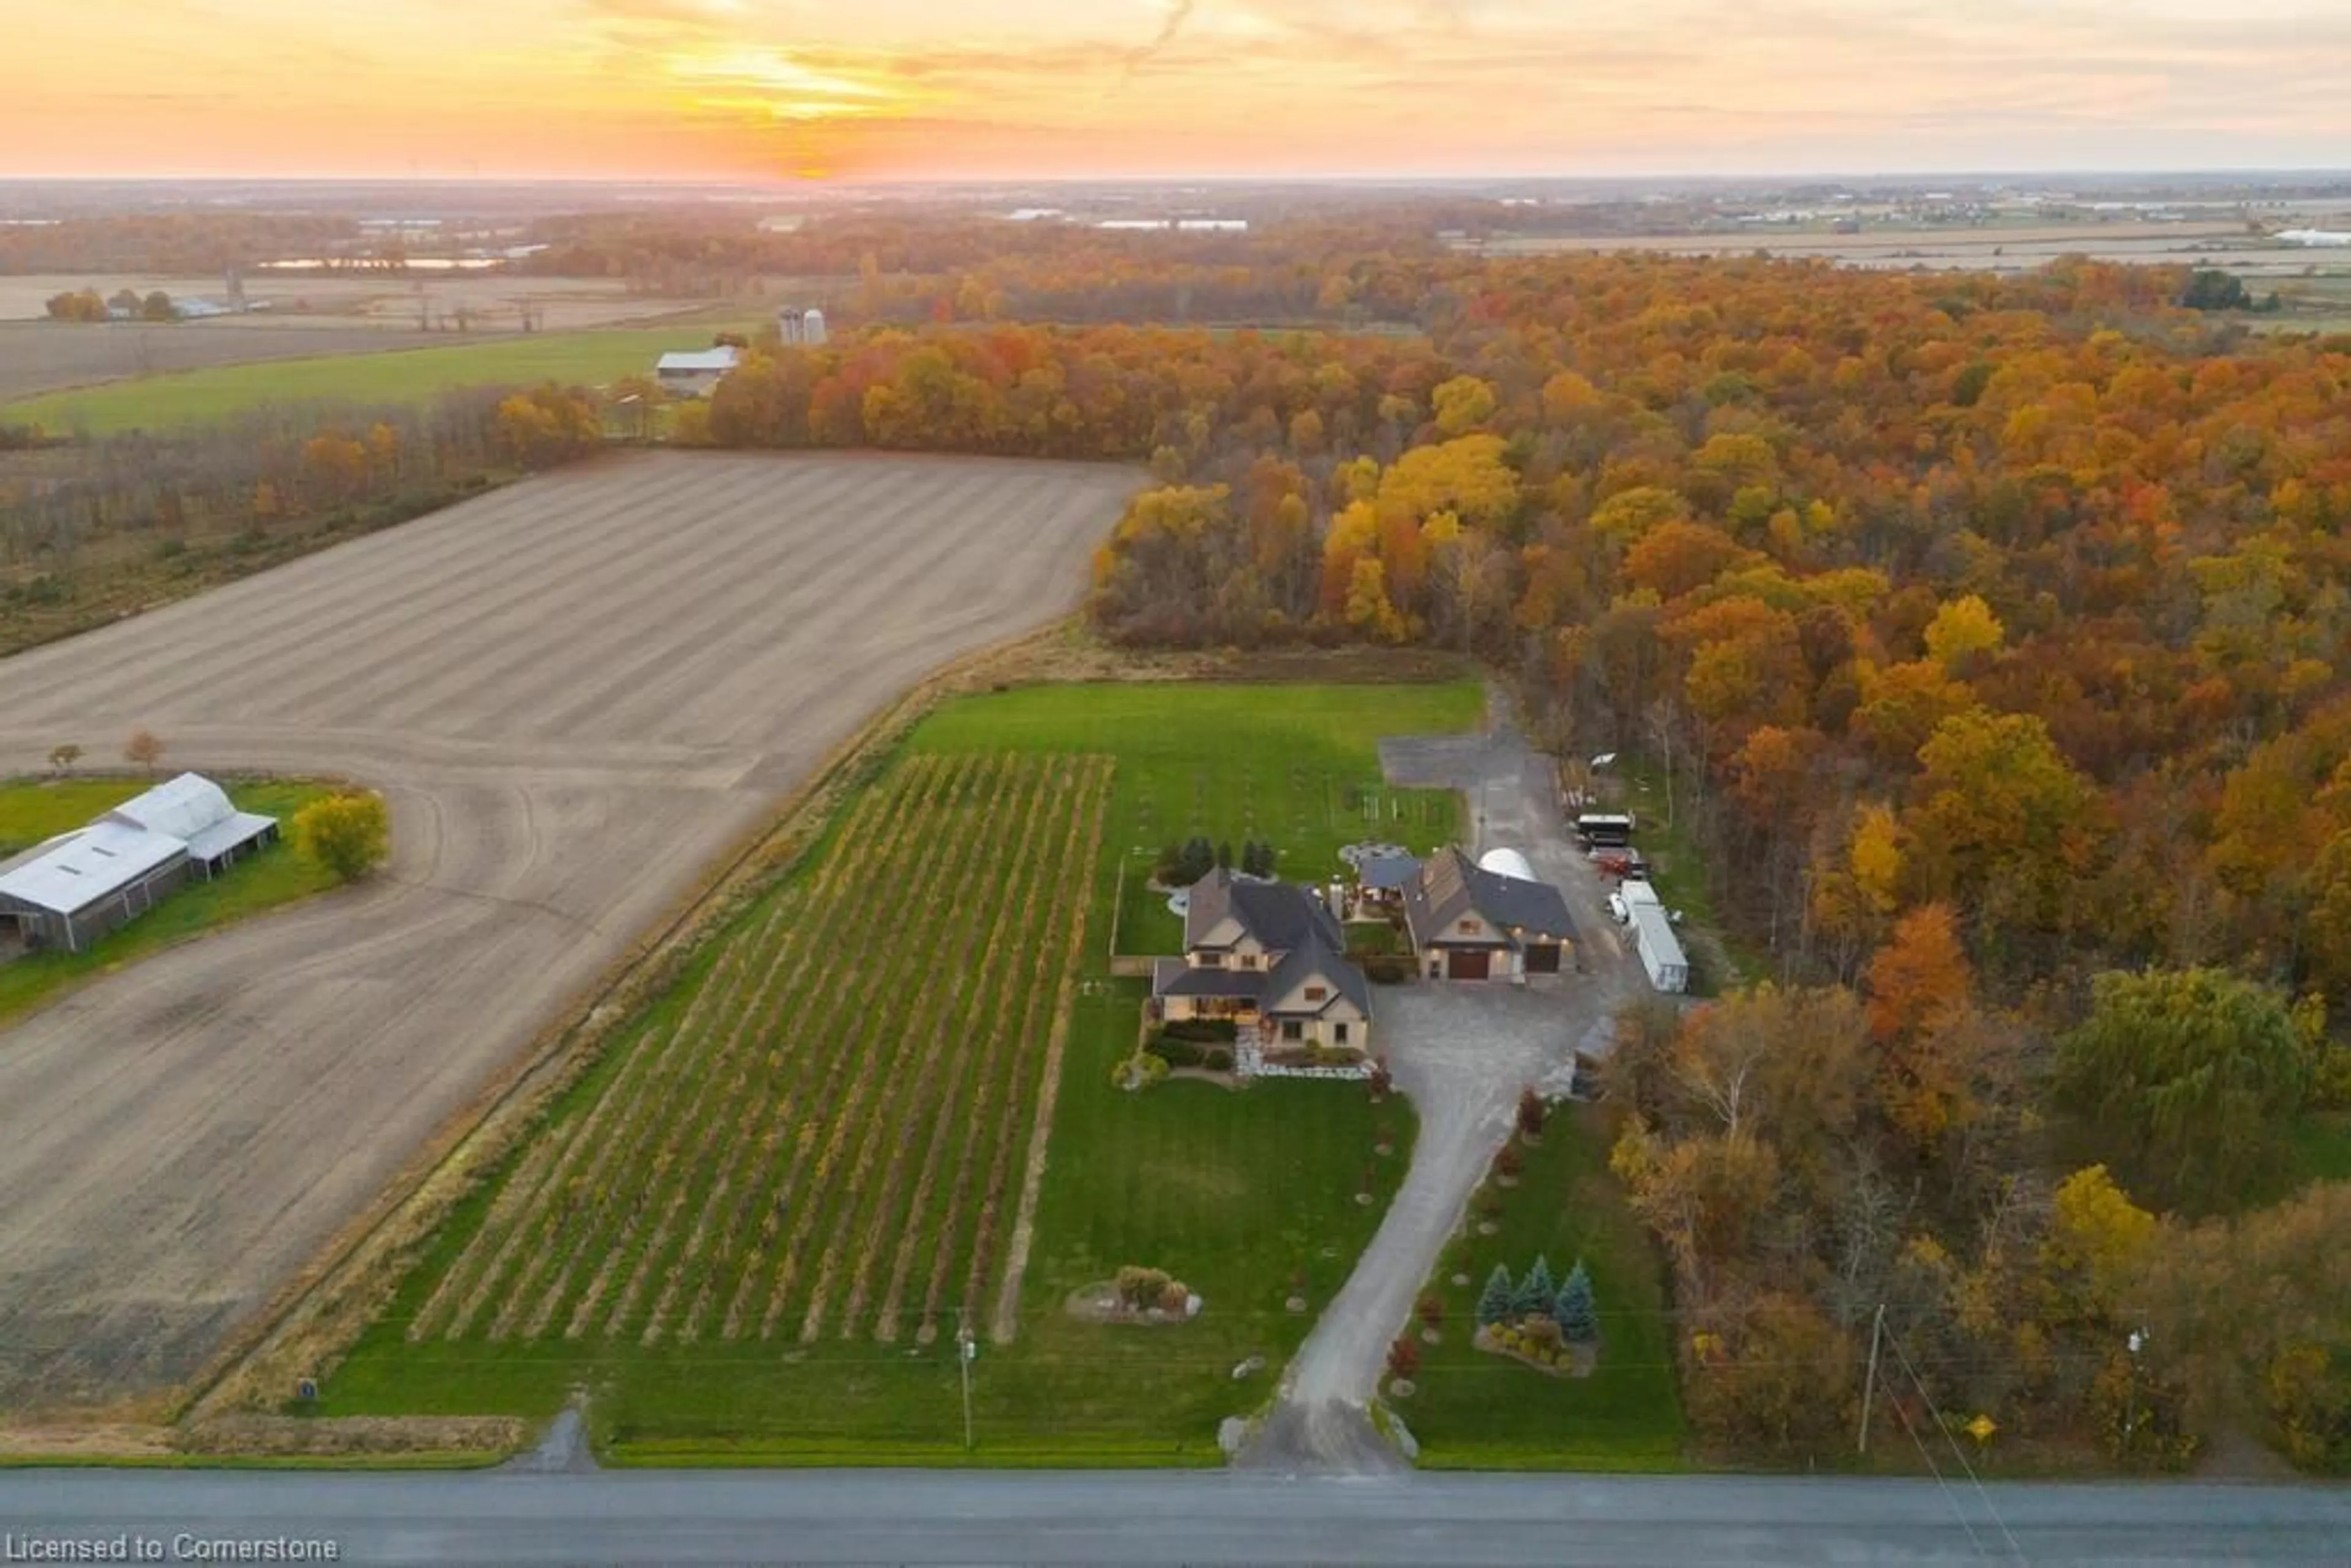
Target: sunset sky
[942, 88]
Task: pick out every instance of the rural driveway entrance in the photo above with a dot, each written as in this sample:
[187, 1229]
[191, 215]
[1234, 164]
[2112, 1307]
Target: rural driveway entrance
[575, 693]
[1462, 1051]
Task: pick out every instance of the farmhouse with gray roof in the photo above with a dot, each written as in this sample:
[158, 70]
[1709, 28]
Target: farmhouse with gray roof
[1269, 954]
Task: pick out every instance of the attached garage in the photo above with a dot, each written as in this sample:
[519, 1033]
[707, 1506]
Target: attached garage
[1468, 964]
[1543, 957]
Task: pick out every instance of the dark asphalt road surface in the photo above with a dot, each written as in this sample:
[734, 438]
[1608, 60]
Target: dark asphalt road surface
[488, 1520]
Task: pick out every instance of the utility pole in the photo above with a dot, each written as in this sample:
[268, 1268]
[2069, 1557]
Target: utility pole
[1870, 1384]
[966, 1349]
[2137, 1341]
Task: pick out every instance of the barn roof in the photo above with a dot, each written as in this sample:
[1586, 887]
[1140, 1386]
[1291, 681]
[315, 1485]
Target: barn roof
[699, 360]
[193, 808]
[182, 807]
[81, 869]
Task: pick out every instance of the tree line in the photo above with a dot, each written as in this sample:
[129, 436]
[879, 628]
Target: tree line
[168, 243]
[89, 528]
[90, 305]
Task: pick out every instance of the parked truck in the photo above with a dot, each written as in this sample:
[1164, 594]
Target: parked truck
[1604, 829]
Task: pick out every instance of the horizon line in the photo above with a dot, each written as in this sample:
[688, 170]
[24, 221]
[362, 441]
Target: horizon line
[1352, 178]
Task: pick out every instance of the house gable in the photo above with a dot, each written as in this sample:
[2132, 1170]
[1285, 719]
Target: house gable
[1225, 933]
[1315, 993]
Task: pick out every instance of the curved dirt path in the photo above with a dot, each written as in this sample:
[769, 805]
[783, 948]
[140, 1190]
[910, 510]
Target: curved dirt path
[575, 693]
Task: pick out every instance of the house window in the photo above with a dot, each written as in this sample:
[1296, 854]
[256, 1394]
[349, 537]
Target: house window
[1212, 960]
[1339, 1033]
[1248, 960]
[1471, 927]
[1316, 993]
[1292, 1029]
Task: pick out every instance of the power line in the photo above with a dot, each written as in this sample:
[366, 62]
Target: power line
[1932, 1469]
[2014, 1550]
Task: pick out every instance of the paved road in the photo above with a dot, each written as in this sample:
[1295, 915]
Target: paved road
[575, 693]
[1142, 1521]
[1461, 1052]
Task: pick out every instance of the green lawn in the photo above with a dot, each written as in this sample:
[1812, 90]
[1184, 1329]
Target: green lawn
[1296, 766]
[1474, 1410]
[1247, 1195]
[410, 375]
[33, 810]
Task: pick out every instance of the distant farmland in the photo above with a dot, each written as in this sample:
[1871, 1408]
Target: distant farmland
[38, 357]
[414, 375]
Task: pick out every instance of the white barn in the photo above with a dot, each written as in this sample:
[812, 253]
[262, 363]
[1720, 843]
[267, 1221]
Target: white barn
[74, 889]
[80, 885]
[696, 373]
[197, 811]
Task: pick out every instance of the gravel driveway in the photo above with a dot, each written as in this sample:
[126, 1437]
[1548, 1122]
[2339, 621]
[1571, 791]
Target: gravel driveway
[1462, 1051]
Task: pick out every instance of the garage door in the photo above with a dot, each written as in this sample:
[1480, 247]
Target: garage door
[1466, 964]
[1543, 958]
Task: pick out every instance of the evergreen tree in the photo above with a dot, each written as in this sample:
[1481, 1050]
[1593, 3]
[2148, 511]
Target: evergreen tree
[1251, 861]
[1495, 1303]
[1535, 1292]
[1577, 1315]
[1198, 860]
[1225, 853]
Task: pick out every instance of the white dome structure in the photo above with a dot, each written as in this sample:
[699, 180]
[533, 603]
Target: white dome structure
[1507, 863]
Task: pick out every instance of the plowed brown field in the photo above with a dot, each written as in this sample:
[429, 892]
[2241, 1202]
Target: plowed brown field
[575, 693]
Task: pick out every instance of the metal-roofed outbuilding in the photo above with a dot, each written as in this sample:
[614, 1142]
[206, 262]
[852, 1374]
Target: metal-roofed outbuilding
[83, 884]
[74, 889]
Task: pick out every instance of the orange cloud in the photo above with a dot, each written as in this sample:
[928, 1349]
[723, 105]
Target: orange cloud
[941, 88]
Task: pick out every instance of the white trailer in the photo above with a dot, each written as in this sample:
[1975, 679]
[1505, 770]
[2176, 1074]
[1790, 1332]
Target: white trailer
[1653, 937]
